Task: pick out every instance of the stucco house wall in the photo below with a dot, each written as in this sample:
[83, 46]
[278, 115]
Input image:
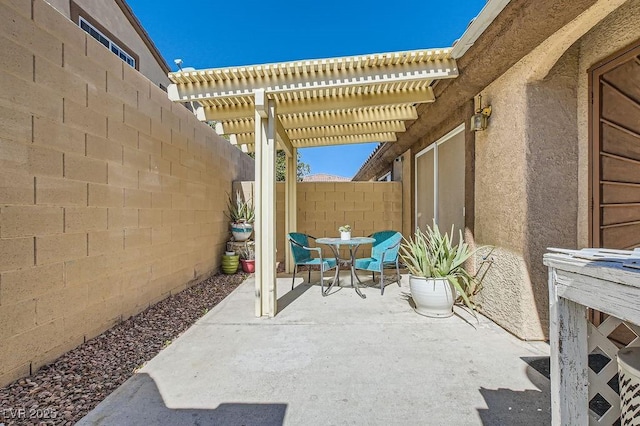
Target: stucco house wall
[525, 190]
[109, 14]
[531, 167]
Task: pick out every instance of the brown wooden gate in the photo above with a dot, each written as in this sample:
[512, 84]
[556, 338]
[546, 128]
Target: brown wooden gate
[614, 135]
[615, 154]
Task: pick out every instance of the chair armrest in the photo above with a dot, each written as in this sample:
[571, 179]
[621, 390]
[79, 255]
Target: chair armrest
[306, 248]
[387, 249]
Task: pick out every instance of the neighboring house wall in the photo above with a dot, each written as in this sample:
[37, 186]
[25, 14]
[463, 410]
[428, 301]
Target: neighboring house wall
[111, 196]
[110, 16]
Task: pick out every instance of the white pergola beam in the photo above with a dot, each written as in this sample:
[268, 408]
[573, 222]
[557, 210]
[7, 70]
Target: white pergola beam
[247, 139]
[345, 140]
[312, 105]
[212, 88]
[347, 130]
[247, 126]
[244, 140]
[236, 126]
[230, 112]
[283, 138]
[336, 118]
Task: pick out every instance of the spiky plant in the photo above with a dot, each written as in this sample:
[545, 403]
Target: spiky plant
[431, 254]
[240, 211]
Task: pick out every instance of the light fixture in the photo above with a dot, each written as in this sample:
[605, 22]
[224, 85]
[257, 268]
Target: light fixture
[480, 119]
[178, 62]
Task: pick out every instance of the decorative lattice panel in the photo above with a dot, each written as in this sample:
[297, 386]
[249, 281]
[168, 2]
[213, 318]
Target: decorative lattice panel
[604, 342]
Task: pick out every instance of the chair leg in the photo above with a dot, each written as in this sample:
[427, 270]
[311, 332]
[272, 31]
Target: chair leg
[293, 280]
[373, 276]
[321, 279]
[382, 281]
[309, 276]
[398, 277]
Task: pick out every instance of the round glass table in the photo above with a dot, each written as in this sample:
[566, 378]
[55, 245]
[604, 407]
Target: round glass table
[353, 244]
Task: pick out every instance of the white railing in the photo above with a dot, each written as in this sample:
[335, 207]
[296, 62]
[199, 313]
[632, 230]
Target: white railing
[607, 281]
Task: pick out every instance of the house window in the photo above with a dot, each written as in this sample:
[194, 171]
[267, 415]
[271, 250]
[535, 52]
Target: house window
[95, 33]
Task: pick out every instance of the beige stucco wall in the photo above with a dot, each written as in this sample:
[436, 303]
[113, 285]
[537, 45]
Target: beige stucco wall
[111, 197]
[500, 205]
[531, 163]
[110, 16]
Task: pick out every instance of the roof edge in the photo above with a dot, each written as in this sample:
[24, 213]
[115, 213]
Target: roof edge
[476, 28]
[133, 20]
[478, 25]
[318, 61]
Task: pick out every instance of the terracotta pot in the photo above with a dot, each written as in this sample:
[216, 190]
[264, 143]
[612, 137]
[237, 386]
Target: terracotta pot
[434, 297]
[248, 266]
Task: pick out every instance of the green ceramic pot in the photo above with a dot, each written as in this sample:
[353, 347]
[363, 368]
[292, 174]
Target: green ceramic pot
[230, 264]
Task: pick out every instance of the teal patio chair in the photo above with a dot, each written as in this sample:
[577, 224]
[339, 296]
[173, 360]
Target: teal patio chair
[302, 257]
[384, 253]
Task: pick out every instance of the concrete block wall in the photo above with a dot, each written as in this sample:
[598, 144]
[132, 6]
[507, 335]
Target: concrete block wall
[111, 197]
[325, 206]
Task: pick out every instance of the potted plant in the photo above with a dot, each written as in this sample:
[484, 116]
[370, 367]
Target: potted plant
[345, 232]
[248, 259]
[230, 263]
[437, 276]
[242, 214]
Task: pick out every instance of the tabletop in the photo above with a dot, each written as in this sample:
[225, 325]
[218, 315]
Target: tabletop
[339, 242]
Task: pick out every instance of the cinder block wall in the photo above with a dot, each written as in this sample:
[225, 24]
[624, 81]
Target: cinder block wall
[324, 206]
[111, 197]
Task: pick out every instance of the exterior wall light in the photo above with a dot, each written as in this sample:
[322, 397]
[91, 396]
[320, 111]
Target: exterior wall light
[480, 120]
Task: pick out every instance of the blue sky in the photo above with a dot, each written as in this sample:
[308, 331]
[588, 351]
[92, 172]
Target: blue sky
[208, 34]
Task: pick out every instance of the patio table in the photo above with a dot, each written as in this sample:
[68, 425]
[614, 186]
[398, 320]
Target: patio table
[353, 244]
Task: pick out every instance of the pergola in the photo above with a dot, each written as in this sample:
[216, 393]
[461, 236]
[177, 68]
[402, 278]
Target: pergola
[299, 104]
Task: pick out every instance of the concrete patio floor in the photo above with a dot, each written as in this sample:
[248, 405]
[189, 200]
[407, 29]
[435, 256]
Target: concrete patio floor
[334, 360]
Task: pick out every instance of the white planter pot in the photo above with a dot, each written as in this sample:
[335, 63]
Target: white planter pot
[345, 235]
[241, 231]
[434, 297]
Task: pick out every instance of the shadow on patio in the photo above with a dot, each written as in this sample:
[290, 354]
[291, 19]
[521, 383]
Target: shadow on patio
[338, 359]
[141, 393]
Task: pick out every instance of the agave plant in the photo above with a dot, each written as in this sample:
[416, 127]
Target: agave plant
[240, 211]
[247, 253]
[431, 254]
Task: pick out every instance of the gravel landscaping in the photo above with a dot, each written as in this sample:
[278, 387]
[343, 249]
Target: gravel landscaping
[66, 390]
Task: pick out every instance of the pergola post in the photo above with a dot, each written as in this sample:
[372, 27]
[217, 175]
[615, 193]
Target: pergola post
[265, 221]
[291, 219]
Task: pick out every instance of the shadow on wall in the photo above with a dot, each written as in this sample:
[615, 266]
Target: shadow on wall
[139, 402]
[552, 172]
[521, 407]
